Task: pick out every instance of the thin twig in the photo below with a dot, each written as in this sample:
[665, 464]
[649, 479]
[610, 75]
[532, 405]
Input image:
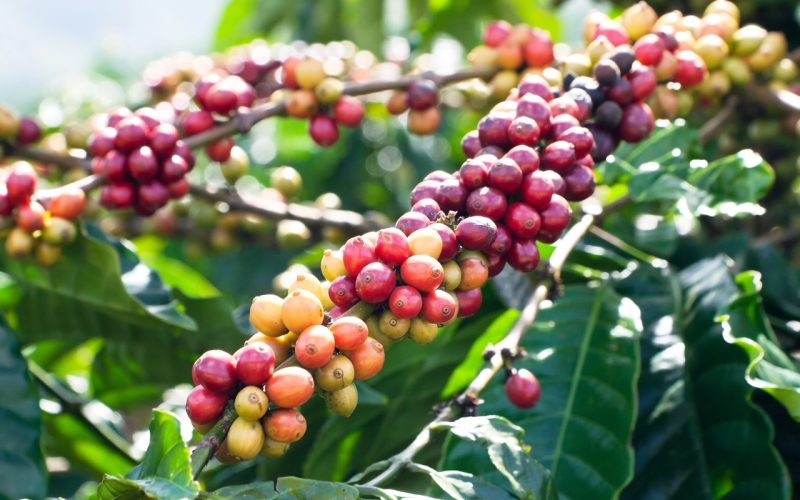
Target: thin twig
[719, 120]
[509, 343]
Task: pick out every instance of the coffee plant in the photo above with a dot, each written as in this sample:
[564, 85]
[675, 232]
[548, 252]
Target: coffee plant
[588, 292]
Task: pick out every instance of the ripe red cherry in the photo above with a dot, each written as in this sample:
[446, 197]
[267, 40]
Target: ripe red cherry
[220, 150]
[613, 31]
[496, 263]
[561, 123]
[451, 195]
[323, 129]
[204, 406]
[438, 307]
[348, 111]
[392, 247]
[556, 217]
[184, 151]
[523, 220]
[473, 174]
[149, 116]
[637, 122]
[30, 216]
[449, 241]
[537, 189]
[437, 175]
[411, 221]
[496, 33]
[173, 169]
[493, 130]
[476, 232]
[216, 371]
[525, 157]
[405, 302]
[29, 130]
[539, 49]
[357, 253]
[152, 196]
[580, 183]
[469, 302]
[471, 144]
[423, 272]
[367, 359]
[621, 92]
[691, 68]
[425, 189]
[505, 175]
[163, 139]
[535, 85]
[195, 122]
[143, 164]
[643, 81]
[118, 195]
[564, 105]
[649, 49]
[179, 188]
[558, 156]
[342, 292]
[523, 130]
[115, 166]
[6, 207]
[102, 141]
[422, 94]
[580, 138]
[535, 107]
[118, 115]
[488, 202]
[375, 282]
[21, 183]
[221, 97]
[523, 255]
[523, 389]
[427, 207]
[502, 241]
[68, 204]
[349, 332]
[132, 132]
[254, 363]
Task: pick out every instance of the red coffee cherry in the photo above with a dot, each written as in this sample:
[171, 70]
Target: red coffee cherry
[143, 164]
[102, 141]
[449, 241]
[523, 389]
[342, 292]
[375, 282]
[29, 130]
[580, 183]
[392, 247]
[204, 406]
[68, 204]
[428, 207]
[286, 425]
[496, 33]
[535, 107]
[474, 270]
[411, 221]
[643, 81]
[118, 195]
[323, 129]
[173, 169]
[254, 363]
[471, 144]
[163, 139]
[21, 183]
[290, 387]
[195, 122]
[525, 157]
[405, 302]
[348, 111]
[357, 253]
[505, 175]
[539, 49]
[132, 132]
[493, 130]
[637, 122]
[220, 150]
[451, 194]
[422, 94]
[438, 307]
[349, 332]
[523, 220]
[30, 216]
[179, 188]
[476, 232]
[502, 241]
[216, 371]
[523, 131]
[496, 263]
[469, 302]
[314, 346]
[152, 196]
[423, 272]
[691, 68]
[474, 174]
[537, 189]
[564, 105]
[523, 255]
[649, 49]
[557, 215]
[367, 359]
[581, 139]
[558, 156]
[425, 189]
[487, 202]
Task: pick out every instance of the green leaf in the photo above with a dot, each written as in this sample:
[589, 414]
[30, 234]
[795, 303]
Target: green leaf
[22, 469]
[286, 488]
[697, 435]
[174, 272]
[471, 487]
[770, 369]
[585, 352]
[165, 470]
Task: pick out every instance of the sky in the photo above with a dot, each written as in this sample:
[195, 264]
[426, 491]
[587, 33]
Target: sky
[47, 42]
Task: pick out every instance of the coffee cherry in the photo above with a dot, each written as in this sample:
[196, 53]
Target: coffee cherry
[505, 175]
[474, 174]
[411, 221]
[523, 389]
[348, 111]
[405, 302]
[558, 156]
[393, 246]
[29, 131]
[426, 241]
[422, 332]
[502, 241]
[643, 81]
[47, 255]
[30, 216]
[224, 455]
[314, 347]
[537, 189]
[393, 326]
[254, 363]
[422, 94]
[525, 157]
[68, 204]
[496, 262]
[216, 371]
[251, 403]
[21, 182]
[637, 122]
[451, 195]
[117, 195]
[175, 167]
[438, 307]
[367, 359]
[471, 144]
[536, 108]
[397, 103]
[220, 150]
[300, 310]
[132, 132]
[557, 215]
[469, 301]
[323, 130]
[564, 105]
[332, 265]
[539, 49]
[143, 164]
[221, 97]
[152, 196]
[580, 183]
[493, 130]
[19, 243]
[309, 73]
[424, 121]
[523, 255]
[496, 33]
[375, 282]
[428, 207]
[245, 439]
[474, 270]
[487, 202]
[342, 292]
[274, 449]
[523, 131]
[357, 253]
[608, 115]
[580, 138]
[691, 68]
[423, 272]
[58, 231]
[349, 332]
[290, 387]
[265, 315]
[523, 220]
[449, 241]
[621, 92]
[163, 139]
[606, 72]
[287, 180]
[649, 49]
[452, 275]
[560, 124]
[308, 282]
[476, 232]
[336, 374]
[204, 406]
[424, 190]
[286, 425]
[344, 401]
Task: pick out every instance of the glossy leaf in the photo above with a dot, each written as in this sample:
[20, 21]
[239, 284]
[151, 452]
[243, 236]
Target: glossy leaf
[286, 488]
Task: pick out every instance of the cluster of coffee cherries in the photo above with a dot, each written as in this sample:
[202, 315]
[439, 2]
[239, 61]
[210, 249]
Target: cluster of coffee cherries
[32, 228]
[143, 159]
[420, 99]
[327, 355]
[319, 97]
[22, 130]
